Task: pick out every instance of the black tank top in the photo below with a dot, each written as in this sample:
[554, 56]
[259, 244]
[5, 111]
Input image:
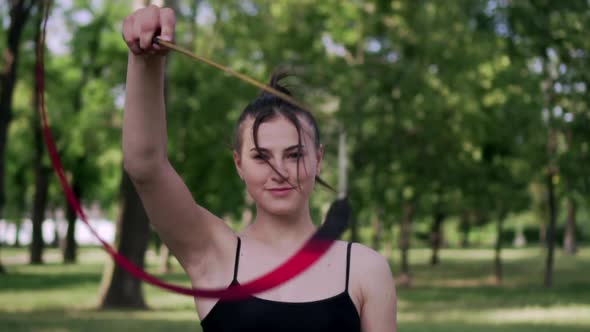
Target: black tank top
[336, 313]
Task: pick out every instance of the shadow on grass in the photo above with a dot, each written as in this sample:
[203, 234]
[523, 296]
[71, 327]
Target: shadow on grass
[147, 321]
[461, 326]
[24, 280]
[99, 321]
[33, 281]
[437, 298]
[455, 296]
[523, 270]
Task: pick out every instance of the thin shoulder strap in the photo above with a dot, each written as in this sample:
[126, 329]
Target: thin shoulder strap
[348, 264]
[237, 261]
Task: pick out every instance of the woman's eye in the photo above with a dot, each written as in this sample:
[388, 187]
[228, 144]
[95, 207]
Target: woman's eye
[295, 155]
[260, 157]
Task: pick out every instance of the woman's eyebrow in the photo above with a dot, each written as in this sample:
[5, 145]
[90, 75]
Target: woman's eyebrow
[297, 146]
[292, 147]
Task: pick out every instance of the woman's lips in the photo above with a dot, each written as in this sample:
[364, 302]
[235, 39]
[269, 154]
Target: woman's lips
[280, 191]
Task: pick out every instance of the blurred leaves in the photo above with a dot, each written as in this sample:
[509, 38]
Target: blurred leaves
[443, 102]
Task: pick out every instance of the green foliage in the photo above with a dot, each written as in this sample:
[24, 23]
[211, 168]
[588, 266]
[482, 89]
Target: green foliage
[442, 102]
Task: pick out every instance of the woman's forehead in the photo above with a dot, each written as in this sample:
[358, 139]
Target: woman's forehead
[277, 132]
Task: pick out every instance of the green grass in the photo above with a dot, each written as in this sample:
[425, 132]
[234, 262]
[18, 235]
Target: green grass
[458, 295]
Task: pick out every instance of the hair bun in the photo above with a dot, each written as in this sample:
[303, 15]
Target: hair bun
[275, 78]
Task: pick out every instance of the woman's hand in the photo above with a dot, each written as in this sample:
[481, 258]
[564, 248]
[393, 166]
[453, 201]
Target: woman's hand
[144, 24]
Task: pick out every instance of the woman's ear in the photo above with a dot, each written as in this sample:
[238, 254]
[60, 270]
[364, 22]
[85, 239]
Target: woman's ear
[319, 157]
[238, 164]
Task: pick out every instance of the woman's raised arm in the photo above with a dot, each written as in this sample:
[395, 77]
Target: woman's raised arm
[192, 233]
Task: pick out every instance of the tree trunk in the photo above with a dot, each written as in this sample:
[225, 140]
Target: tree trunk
[569, 238]
[342, 165]
[17, 224]
[41, 172]
[21, 204]
[550, 231]
[552, 171]
[436, 236]
[498, 272]
[343, 181]
[89, 70]
[70, 247]
[354, 233]
[19, 13]
[465, 228]
[2, 269]
[387, 244]
[405, 234]
[39, 206]
[56, 236]
[120, 289]
[377, 226]
[164, 257]
[543, 234]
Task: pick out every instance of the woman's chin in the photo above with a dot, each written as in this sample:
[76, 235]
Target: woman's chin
[282, 209]
[283, 205]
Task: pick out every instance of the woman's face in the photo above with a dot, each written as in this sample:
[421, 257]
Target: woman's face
[278, 143]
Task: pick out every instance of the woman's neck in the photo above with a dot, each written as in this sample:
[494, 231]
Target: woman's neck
[282, 232]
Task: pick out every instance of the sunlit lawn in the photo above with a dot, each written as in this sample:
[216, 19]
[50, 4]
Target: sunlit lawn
[458, 295]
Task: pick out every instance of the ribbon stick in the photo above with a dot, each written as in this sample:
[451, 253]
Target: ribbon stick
[314, 248]
[284, 96]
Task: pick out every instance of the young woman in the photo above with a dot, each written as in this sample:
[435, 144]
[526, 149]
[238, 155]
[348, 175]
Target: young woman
[278, 155]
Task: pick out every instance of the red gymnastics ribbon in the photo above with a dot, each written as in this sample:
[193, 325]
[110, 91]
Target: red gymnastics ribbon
[314, 248]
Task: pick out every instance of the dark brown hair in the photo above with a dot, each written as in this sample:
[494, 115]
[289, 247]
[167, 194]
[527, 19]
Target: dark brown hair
[266, 107]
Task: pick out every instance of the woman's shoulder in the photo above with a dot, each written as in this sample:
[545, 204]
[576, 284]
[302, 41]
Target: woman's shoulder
[362, 255]
[366, 256]
[368, 266]
[370, 282]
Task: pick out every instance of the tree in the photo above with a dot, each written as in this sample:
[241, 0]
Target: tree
[119, 288]
[84, 84]
[41, 170]
[19, 14]
[537, 32]
[86, 43]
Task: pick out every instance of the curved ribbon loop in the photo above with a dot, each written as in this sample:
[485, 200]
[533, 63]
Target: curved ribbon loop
[314, 248]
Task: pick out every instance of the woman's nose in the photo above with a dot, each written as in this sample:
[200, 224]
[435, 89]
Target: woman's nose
[280, 171]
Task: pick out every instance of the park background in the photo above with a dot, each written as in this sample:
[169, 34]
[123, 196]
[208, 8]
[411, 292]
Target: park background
[459, 129]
